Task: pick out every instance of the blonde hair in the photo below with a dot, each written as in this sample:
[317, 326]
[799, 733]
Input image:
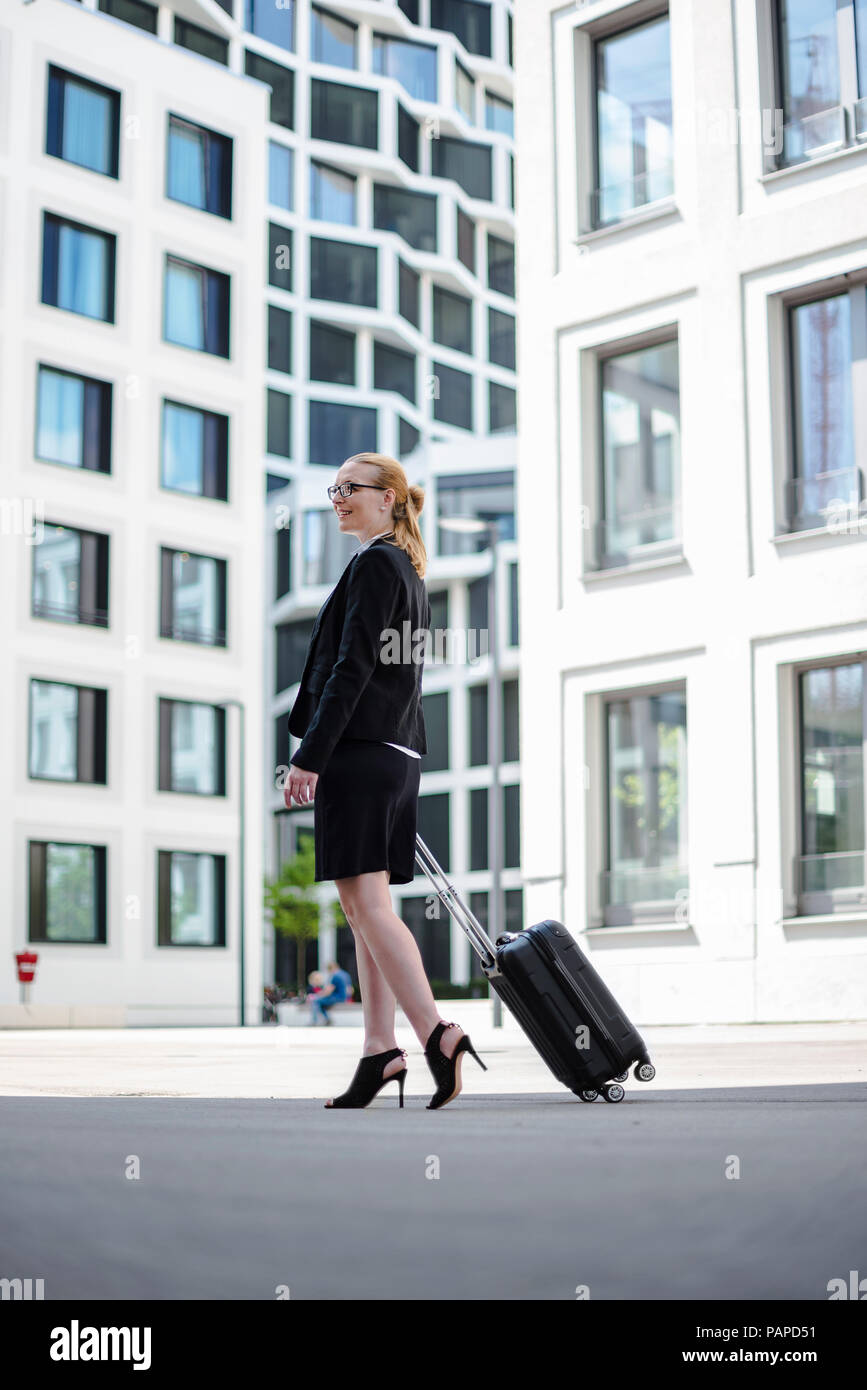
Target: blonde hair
[407, 507]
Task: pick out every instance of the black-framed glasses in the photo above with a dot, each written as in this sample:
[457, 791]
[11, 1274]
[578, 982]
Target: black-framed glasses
[347, 489]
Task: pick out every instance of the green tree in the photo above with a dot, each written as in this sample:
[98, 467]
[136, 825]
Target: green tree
[292, 904]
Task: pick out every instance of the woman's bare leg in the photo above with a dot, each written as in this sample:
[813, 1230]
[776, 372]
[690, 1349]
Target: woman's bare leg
[393, 950]
[378, 1003]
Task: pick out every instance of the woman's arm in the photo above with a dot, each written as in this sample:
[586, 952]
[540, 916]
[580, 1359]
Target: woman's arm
[372, 596]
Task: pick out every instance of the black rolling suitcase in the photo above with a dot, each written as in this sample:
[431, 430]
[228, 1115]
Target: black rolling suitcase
[546, 981]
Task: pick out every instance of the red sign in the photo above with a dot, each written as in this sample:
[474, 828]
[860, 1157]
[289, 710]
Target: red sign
[26, 962]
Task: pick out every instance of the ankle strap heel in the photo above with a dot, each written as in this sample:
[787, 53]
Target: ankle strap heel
[446, 1070]
[369, 1080]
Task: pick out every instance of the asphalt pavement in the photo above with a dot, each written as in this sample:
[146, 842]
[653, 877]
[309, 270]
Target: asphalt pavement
[202, 1164]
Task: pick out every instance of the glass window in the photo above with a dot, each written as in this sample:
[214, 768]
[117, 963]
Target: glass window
[453, 401]
[73, 420]
[466, 241]
[349, 115]
[78, 267]
[408, 292]
[407, 138]
[137, 12]
[432, 934]
[280, 256]
[479, 625]
[195, 451]
[332, 194]
[640, 451]
[283, 580]
[199, 171]
[477, 696]
[501, 265]
[343, 271]
[196, 307]
[279, 423]
[281, 175]
[337, 430]
[646, 863]
[332, 39]
[502, 407]
[499, 114]
[822, 361]
[434, 828]
[67, 892]
[412, 215]
[439, 609]
[510, 820]
[470, 21]
[484, 496]
[465, 92]
[633, 120]
[407, 437]
[191, 898]
[469, 165]
[192, 746]
[282, 83]
[274, 22]
[511, 721]
[479, 827]
[70, 576]
[413, 65]
[279, 339]
[192, 602]
[479, 907]
[513, 638]
[809, 42]
[68, 732]
[394, 370]
[501, 339]
[326, 553]
[832, 736]
[452, 320]
[201, 41]
[332, 354]
[293, 639]
[83, 122]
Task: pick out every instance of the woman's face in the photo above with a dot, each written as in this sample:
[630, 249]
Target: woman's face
[367, 511]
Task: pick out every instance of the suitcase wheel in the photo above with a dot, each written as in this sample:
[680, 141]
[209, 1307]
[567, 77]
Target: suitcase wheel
[624, 1075]
[613, 1092]
[645, 1071]
[587, 1095]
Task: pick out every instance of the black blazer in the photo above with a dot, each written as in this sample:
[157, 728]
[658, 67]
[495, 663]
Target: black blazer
[357, 683]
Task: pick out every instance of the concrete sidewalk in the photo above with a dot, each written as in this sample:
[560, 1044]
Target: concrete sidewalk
[302, 1063]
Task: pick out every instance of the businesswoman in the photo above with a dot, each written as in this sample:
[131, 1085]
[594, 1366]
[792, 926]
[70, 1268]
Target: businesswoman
[359, 716]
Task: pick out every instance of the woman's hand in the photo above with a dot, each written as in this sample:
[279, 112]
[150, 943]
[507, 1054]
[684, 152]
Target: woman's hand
[299, 786]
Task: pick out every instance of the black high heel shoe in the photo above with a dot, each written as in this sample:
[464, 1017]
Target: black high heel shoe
[368, 1081]
[447, 1070]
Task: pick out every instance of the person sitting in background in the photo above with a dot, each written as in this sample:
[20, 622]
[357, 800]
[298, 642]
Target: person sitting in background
[338, 990]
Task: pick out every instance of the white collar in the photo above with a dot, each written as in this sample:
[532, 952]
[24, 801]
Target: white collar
[370, 541]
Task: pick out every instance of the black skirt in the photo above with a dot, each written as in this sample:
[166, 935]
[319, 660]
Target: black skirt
[365, 810]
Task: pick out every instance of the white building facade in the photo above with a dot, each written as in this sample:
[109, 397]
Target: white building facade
[132, 183]
[244, 240]
[691, 470]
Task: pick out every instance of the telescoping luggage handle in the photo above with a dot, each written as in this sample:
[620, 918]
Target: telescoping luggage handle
[454, 903]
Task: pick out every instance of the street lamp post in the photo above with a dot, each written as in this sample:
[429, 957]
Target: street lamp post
[475, 526]
[242, 1018]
